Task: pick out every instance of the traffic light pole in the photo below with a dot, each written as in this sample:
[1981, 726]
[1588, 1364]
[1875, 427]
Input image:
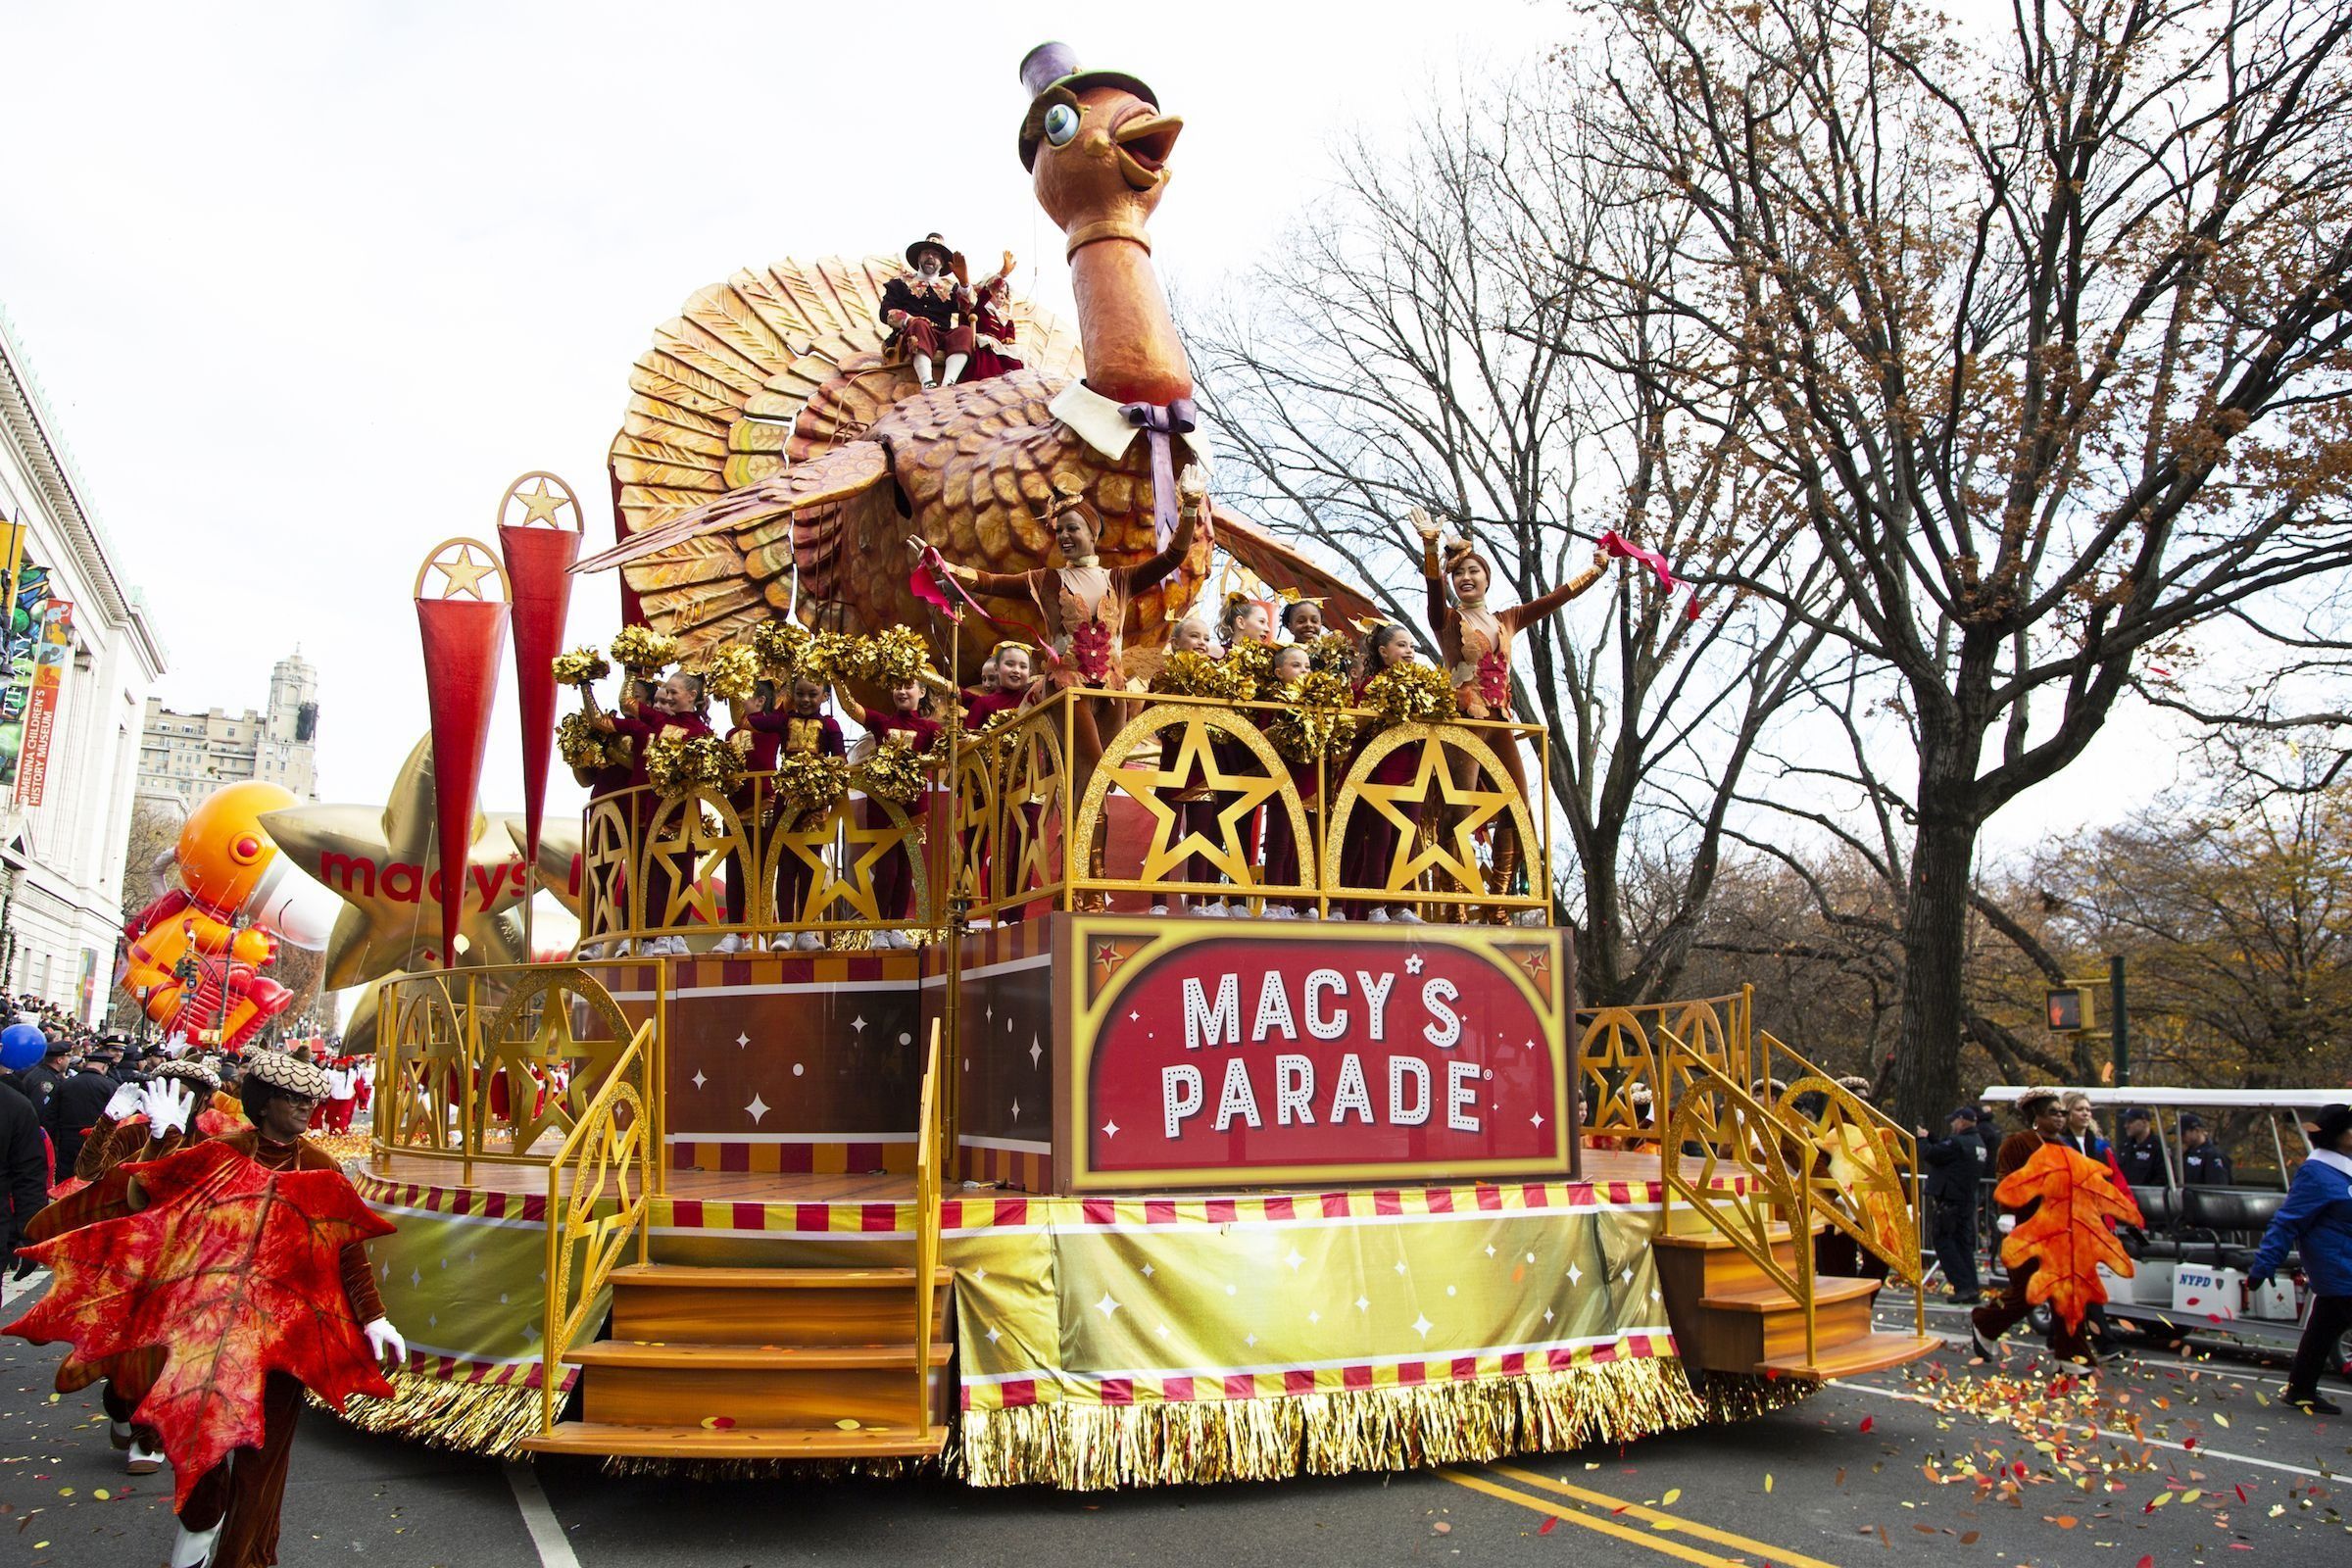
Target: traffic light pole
[2120, 1019]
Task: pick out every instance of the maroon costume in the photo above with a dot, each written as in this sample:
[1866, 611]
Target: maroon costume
[894, 873]
[992, 339]
[642, 727]
[796, 736]
[1371, 846]
[933, 306]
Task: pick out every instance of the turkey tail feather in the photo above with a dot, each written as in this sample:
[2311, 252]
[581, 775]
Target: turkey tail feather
[836, 475]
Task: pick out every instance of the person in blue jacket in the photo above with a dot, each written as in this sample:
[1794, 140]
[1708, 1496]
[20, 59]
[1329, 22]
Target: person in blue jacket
[2317, 1217]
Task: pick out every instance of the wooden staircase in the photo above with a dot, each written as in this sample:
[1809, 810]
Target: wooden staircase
[1730, 1315]
[761, 1363]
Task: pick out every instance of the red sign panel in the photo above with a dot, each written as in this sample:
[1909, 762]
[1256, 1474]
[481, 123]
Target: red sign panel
[1238, 1055]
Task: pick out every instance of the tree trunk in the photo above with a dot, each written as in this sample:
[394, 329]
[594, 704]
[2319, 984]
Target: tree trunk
[1926, 1063]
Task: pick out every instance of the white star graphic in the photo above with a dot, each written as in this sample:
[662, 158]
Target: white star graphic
[415, 1278]
[758, 1107]
[1422, 1325]
[1628, 1276]
[1490, 1249]
[1314, 1317]
[1655, 1297]
[1548, 1314]
[993, 1335]
[979, 1274]
[1362, 1305]
[432, 1320]
[1400, 1266]
[1413, 963]
[1537, 1118]
[1250, 1340]
[1575, 1273]
[742, 1041]
[1293, 1261]
[698, 1080]
[1106, 1306]
[1163, 1331]
[858, 1023]
[1111, 1129]
[1035, 1051]
[1016, 1110]
[1148, 1271]
[1529, 1045]
[1231, 1289]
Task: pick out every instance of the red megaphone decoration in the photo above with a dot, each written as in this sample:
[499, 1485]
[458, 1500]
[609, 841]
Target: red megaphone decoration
[465, 632]
[539, 551]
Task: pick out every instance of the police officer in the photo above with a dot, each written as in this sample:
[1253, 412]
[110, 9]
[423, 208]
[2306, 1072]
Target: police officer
[1953, 1162]
[2138, 1153]
[2202, 1163]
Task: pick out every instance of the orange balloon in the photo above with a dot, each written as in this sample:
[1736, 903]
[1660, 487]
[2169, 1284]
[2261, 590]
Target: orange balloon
[223, 848]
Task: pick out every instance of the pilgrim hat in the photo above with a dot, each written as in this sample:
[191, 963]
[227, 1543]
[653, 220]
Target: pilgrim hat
[930, 242]
[1052, 66]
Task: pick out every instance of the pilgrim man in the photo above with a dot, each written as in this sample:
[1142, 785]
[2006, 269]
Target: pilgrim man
[925, 309]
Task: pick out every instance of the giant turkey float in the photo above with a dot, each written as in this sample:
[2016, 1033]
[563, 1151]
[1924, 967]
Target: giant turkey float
[1119, 1149]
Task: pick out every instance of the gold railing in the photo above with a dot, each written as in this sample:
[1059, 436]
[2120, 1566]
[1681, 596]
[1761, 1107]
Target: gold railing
[1807, 1152]
[651, 865]
[495, 1066]
[930, 1163]
[1030, 818]
[1621, 1057]
[610, 1158]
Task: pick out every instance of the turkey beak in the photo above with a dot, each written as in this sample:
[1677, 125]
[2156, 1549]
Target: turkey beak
[1144, 143]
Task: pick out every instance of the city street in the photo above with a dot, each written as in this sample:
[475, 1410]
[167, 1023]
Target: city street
[2168, 1461]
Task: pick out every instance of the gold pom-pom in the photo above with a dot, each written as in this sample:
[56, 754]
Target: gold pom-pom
[1333, 654]
[830, 655]
[679, 765]
[1313, 722]
[582, 744]
[731, 673]
[808, 783]
[1411, 693]
[582, 667]
[778, 645]
[1185, 673]
[1248, 668]
[891, 656]
[894, 773]
[643, 651]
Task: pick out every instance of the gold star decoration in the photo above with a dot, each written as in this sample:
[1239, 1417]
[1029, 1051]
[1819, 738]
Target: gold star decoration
[1433, 783]
[380, 861]
[463, 564]
[1194, 765]
[863, 849]
[539, 504]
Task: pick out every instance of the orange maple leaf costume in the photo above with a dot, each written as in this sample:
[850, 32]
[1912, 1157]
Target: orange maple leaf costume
[2069, 1232]
[248, 1269]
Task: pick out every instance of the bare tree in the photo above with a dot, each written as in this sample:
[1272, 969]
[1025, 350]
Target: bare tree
[2048, 323]
[1419, 343]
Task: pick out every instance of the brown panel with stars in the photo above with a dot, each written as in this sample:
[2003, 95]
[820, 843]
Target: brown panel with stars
[1006, 1050]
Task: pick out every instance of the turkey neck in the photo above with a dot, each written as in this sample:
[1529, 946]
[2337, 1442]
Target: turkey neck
[1132, 352]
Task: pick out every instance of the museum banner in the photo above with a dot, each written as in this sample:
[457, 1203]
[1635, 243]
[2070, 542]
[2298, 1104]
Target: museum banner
[50, 657]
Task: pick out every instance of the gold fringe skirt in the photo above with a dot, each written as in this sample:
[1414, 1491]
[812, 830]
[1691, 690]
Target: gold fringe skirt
[486, 1418]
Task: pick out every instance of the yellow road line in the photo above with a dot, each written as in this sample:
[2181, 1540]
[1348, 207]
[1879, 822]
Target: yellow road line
[1779, 1556]
[1656, 1541]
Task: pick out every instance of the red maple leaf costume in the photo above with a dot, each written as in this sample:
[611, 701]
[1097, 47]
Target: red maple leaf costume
[248, 1270]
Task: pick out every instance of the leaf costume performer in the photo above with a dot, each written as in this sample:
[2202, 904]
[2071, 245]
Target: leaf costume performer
[2056, 1214]
[244, 1260]
[1474, 645]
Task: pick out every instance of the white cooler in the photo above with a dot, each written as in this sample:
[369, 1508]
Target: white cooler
[2273, 1303]
[2202, 1291]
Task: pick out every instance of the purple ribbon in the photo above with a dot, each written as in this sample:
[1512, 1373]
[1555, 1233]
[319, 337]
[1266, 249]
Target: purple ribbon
[1178, 417]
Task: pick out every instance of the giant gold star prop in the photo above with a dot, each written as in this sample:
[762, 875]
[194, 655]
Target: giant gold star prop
[1195, 763]
[1454, 853]
[380, 861]
[559, 860]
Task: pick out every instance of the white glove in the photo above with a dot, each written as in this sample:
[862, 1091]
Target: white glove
[384, 1341]
[168, 1107]
[2005, 1224]
[128, 1101]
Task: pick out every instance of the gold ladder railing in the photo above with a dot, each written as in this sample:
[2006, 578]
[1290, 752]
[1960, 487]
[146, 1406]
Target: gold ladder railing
[610, 1151]
[930, 1160]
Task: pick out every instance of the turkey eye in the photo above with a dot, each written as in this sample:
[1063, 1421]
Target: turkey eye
[1062, 124]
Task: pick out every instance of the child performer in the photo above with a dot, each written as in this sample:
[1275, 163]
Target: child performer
[1291, 667]
[1003, 689]
[907, 727]
[757, 745]
[1474, 641]
[1246, 626]
[679, 706]
[1196, 807]
[1371, 849]
[804, 731]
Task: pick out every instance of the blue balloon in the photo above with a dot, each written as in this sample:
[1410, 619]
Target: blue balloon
[20, 1045]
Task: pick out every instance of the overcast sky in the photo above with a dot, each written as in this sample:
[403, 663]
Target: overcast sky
[306, 285]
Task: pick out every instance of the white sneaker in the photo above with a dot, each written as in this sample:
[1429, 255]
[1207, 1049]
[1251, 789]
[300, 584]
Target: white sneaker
[1408, 917]
[1214, 910]
[192, 1549]
[1281, 911]
[1310, 912]
[1378, 916]
[592, 950]
[1160, 911]
[810, 941]
[732, 942]
[140, 1460]
[1339, 915]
